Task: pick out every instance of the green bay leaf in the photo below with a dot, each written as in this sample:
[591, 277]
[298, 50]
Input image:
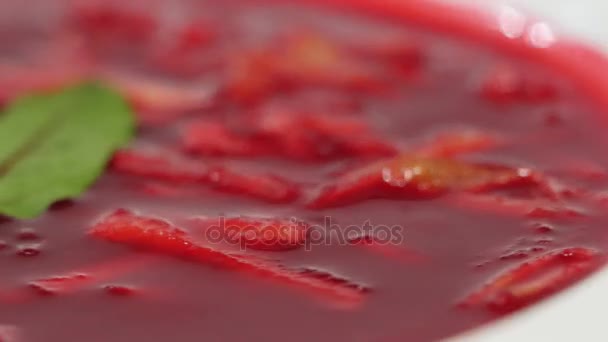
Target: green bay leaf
[54, 146]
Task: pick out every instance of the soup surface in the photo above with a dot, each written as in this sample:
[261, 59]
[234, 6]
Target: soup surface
[299, 174]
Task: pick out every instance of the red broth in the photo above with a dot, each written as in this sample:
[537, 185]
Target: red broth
[302, 173]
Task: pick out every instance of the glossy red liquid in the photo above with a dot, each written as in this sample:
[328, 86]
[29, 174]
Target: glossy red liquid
[263, 113]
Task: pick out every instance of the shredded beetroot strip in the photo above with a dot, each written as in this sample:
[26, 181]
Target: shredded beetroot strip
[534, 279]
[157, 235]
[175, 168]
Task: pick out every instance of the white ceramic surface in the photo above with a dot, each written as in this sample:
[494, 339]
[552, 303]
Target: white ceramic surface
[588, 19]
[581, 312]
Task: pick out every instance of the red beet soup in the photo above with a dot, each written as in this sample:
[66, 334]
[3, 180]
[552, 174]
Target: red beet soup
[299, 173]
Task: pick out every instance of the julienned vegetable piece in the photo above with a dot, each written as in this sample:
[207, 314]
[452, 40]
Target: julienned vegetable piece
[534, 279]
[418, 177]
[54, 146]
[160, 236]
[451, 144]
[261, 233]
[287, 133]
[178, 169]
[304, 58]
